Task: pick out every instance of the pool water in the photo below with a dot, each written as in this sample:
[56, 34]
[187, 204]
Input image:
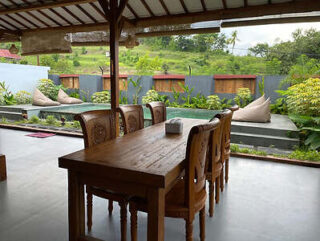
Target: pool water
[70, 111]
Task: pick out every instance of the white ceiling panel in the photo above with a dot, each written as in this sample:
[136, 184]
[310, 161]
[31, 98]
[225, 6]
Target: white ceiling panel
[156, 7]
[213, 5]
[257, 2]
[55, 17]
[32, 19]
[43, 18]
[234, 3]
[76, 11]
[193, 5]
[139, 8]
[174, 6]
[93, 12]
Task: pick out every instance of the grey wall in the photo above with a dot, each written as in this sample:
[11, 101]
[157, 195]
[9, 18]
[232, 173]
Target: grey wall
[55, 78]
[204, 85]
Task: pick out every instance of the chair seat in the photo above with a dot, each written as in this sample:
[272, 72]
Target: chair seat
[108, 194]
[216, 172]
[175, 205]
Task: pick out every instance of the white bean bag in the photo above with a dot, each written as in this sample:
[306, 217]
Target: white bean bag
[40, 99]
[258, 101]
[64, 98]
[258, 113]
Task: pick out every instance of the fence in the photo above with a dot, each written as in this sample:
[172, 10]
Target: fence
[225, 86]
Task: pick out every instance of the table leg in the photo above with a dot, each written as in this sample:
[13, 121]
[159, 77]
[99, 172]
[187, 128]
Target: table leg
[156, 209]
[76, 207]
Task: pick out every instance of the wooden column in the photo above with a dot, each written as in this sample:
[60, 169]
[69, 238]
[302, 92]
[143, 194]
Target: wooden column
[3, 169]
[113, 12]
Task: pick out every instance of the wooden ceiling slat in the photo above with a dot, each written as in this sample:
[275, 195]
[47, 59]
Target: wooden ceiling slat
[183, 4]
[224, 3]
[34, 16]
[73, 15]
[86, 13]
[203, 4]
[132, 11]
[245, 3]
[57, 13]
[98, 11]
[47, 16]
[18, 21]
[8, 23]
[147, 7]
[165, 7]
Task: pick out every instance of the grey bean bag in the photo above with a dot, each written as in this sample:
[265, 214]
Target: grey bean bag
[40, 99]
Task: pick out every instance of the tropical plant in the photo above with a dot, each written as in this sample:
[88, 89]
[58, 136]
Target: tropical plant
[49, 89]
[34, 120]
[176, 98]
[200, 102]
[51, 120]
[261, 86]
[243, 97]
[187, 95]
[214, 102]
[137, 88]
[304, 98]
[279, 107]
[233, 39]
[123, 98]
[23, 97]
[101, 97]
[6, 96]
[153, 95]
[226, 103]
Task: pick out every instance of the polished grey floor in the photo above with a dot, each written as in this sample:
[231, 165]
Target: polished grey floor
[263, 201]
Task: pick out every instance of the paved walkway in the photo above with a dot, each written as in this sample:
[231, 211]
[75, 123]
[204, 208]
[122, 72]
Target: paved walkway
[263, 201]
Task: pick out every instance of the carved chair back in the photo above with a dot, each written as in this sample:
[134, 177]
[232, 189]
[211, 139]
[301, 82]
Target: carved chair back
[132, 117]
[97, 126]
[195, 178]
[158, 112]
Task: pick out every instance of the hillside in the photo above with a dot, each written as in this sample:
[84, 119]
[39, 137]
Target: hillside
[86, 60]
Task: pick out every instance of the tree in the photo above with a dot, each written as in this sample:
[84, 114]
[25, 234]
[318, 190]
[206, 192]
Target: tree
[147, 66]
[233, 39]
[260, 50]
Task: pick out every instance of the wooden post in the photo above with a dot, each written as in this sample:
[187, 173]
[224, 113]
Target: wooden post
[3, 169]
[113, 12]
[114, 60]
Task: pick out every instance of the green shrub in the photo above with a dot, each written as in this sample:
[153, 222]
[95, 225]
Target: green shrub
[34, 119]
[153, 95]
[51, 120]
[243, 97]
[305, 155]
[279, 107]
[200, 102]
[6, 96]
[101, 97]
[49, 89]
[76, 124]
[214, 102]
[304, 98]
[75, 95]
[23, 97]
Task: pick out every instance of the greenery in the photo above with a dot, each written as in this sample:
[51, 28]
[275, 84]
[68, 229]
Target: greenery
[49, 89]
[199, 101]
[236, 148]
[51, 120]
[261, 86]
[137, 89]
[101, 97]
[6, 96]
[279, 107]
[187, 95]
[34, 120]
[243, 97]
[153, 95]
[23, 97]
[214, 102]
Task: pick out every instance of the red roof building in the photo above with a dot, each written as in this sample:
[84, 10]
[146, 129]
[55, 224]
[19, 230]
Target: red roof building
[4, 53]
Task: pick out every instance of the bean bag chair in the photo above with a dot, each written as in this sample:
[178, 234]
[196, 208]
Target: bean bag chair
[258, 101]
[64, 98]
[40, 99]
[257, 113]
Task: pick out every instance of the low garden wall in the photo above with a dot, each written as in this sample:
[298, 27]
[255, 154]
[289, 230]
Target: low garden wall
[205, 85]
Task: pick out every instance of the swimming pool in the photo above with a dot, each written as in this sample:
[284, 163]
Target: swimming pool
[68, 112]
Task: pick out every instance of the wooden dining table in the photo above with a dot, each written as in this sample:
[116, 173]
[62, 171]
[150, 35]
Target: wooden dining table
[146, 164]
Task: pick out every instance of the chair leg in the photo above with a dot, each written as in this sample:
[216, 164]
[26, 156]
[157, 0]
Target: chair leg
[211, 198]
[110, 207]
[123, 220]
[133, 220]
[89, 210]
[217, 189]
[189, 230]
[222, 180]
[202, 220]
[227, 170]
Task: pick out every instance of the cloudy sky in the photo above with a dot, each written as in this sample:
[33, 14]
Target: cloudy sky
[250, 36]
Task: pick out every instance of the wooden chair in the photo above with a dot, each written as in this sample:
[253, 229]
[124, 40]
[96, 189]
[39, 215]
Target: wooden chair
[98, 126]
[188, 196]
[215, 163]
[158, 112]
[3, 169]
[132, 117]
[228, 152]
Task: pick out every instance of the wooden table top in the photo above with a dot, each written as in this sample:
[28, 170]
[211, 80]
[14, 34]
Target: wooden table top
[149, 156]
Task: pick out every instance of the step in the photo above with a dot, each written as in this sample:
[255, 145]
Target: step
[264, 140]
[11, 109]
[16, 116]
[265, 131]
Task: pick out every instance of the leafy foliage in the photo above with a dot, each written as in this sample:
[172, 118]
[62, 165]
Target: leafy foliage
[137, 89]
[101, 97]
[153, 95]
[23, 97]
[199, 101]
[147, 66]
[214, 102]
[6, 96]
[279, 107]
[187, 95]
[49, 89]
[243, 97]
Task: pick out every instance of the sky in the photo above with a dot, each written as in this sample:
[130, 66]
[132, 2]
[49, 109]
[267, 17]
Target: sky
[250, 36]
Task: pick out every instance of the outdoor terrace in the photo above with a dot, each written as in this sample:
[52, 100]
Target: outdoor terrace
[263, 200]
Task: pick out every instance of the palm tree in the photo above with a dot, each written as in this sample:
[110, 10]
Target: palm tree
[233, 39]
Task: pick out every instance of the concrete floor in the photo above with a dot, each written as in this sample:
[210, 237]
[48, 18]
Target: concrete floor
[263, 201]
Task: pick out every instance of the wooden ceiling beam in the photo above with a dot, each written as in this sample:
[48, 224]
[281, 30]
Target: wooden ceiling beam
[165, 7]
[178, 32]
[73, 15]
[231, 13]
[224, 3]
[34, 16]
[270, 21]
[147, 7]
[132, 11]
[245, 3]
[33, 7]
[57, 13]
[183, 4]
[204, 7]
[85, 12]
